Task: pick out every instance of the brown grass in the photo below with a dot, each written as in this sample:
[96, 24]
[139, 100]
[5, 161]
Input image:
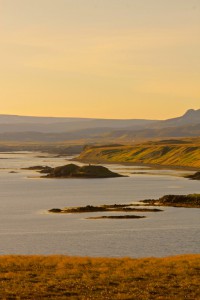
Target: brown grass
[179, 154]
[61, 277]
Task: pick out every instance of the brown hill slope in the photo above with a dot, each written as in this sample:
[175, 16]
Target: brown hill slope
[182, 153]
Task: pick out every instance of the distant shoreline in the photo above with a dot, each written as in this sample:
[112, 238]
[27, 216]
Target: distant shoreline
[150, 166]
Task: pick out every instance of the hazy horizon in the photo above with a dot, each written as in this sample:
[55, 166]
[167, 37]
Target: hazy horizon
[100, 59]
[77, 117]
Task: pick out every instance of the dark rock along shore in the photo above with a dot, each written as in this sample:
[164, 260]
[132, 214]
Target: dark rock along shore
[190, 201]
[195, 176]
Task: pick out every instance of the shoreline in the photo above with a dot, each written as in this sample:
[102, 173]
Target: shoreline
[101, 161]
[178, 201]
[150, 166]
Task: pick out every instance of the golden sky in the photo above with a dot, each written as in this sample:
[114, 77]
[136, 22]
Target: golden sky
[99, 58]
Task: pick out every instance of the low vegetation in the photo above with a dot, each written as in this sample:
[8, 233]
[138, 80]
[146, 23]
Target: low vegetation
[179, 153]
[60, 277]
[103, 208]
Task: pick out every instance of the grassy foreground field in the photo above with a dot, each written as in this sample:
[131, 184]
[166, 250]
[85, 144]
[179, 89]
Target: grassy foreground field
[61, 277]
[181, 153]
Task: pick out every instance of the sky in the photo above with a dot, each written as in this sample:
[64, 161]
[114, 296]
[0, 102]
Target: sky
[99, 58]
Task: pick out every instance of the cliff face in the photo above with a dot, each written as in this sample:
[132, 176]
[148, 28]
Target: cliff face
[180, 153]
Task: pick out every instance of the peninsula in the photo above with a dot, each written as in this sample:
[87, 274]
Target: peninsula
[195, 176]
[188, 201]
[103, 208]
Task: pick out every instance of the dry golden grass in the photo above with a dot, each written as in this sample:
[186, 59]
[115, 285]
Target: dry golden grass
[181, 153]
[60, 277]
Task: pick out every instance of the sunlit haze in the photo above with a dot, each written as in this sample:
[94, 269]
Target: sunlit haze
[99, 58]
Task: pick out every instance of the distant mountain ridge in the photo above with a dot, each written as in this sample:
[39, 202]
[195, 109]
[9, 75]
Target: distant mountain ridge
[25, 128]
[17, 119]
[163, 132]
[9, 123]
[191, 117]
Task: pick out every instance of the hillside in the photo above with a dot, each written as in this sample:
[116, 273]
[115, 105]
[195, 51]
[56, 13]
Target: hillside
[76, 278]
[181, 153]
[24, 128]
[163, 132]
[16, 124]
[190, 117]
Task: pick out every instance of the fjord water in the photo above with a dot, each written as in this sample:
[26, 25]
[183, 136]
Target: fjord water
[27, 228]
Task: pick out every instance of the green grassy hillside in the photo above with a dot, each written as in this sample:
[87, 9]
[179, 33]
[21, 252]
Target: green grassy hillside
[60, 277]
[184, 153]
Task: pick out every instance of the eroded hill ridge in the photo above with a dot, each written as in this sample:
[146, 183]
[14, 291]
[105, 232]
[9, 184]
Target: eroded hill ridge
[180, 153]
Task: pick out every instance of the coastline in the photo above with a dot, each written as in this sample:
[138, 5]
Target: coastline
[139, 164]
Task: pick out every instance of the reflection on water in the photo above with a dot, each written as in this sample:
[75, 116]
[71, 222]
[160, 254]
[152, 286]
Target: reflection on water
[26, 228]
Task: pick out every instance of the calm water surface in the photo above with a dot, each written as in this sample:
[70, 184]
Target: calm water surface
[27, 228]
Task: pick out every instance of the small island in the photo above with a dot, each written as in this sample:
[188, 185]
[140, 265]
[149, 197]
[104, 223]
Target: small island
[187, 201]
[74, 171]
[102, 208]
[40, 169]
[105, 208]
[116, 217]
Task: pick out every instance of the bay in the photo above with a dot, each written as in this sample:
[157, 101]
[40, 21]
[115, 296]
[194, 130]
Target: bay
[26, 227]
